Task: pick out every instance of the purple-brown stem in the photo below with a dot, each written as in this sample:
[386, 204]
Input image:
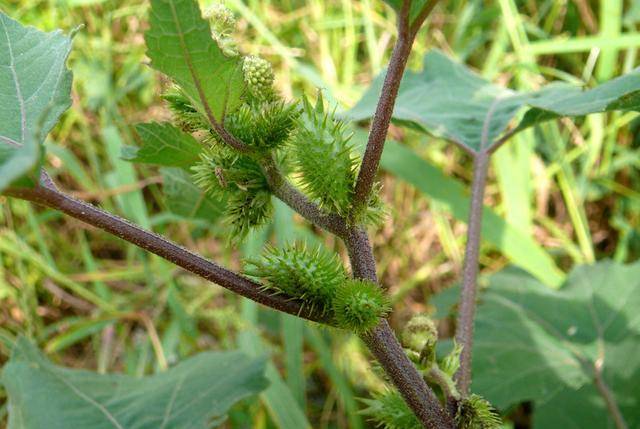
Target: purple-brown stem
[52, 198]
[384, 345]
[467, 306]
[382, 118]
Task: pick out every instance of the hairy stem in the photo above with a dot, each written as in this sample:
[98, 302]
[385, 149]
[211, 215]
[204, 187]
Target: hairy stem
[384, 345]
[295, 199]
[382, 118]
[50, 197]
[467, 307]
[421, 399]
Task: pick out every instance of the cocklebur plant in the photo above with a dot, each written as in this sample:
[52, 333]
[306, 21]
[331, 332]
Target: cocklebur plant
[240, 142]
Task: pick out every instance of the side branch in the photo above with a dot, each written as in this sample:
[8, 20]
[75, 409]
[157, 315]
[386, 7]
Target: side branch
[52, 198]
[466, 311]
[295, 199]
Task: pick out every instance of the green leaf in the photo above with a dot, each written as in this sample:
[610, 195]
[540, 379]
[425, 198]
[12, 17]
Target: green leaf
[193, 394]
[536, 344]
[164, 144]
[35, 86]
[180, 45]
[450, 101]
[186, 199]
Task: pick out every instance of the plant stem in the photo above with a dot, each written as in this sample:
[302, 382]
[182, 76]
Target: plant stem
[421, 399]
[295, 199]
[382, 118]
[50, 197]
[384, 345]
[609, 399]
[437, 376]
[467, 307]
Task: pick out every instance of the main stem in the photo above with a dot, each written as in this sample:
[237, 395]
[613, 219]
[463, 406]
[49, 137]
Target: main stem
[384, 110]
[467, 308]
[384, 345]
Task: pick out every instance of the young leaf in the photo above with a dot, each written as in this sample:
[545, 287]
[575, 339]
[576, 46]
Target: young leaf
[163, 144]
[180, 45]
[450, 101]
[35, 86]
[590, 324]
[194, 393]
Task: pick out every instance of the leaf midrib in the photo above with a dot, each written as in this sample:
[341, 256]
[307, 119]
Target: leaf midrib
[16, 81]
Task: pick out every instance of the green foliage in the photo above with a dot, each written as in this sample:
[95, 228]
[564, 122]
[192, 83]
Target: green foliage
[179, 44]
[263, 126]
[388, 410]
[163, 144]
[449, 100]
[359, 305]
[196, 393]
[226, 175]
[589, 325]
[35, 86]
[476, 412]
[312, 275]
[323, 158]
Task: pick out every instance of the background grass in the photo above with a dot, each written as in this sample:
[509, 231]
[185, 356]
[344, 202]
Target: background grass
[92, 301]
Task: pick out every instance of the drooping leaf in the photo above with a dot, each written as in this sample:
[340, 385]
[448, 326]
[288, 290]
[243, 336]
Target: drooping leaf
[35, 88]
[450, 101]
[196, 393]
[186, 199]
[533, 343]
[164, 144]
[180, 45]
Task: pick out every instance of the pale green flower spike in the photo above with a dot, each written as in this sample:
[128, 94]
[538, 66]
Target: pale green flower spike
[259, 77]
[223, 22]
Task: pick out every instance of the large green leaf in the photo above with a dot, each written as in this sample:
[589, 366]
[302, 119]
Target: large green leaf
[196, 393]
[164, 144]
[180, 45]
[533, 343]
[35, 88]
[186, 199]
[450, 101]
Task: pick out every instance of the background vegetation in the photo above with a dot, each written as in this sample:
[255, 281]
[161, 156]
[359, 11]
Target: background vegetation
[577, 195]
